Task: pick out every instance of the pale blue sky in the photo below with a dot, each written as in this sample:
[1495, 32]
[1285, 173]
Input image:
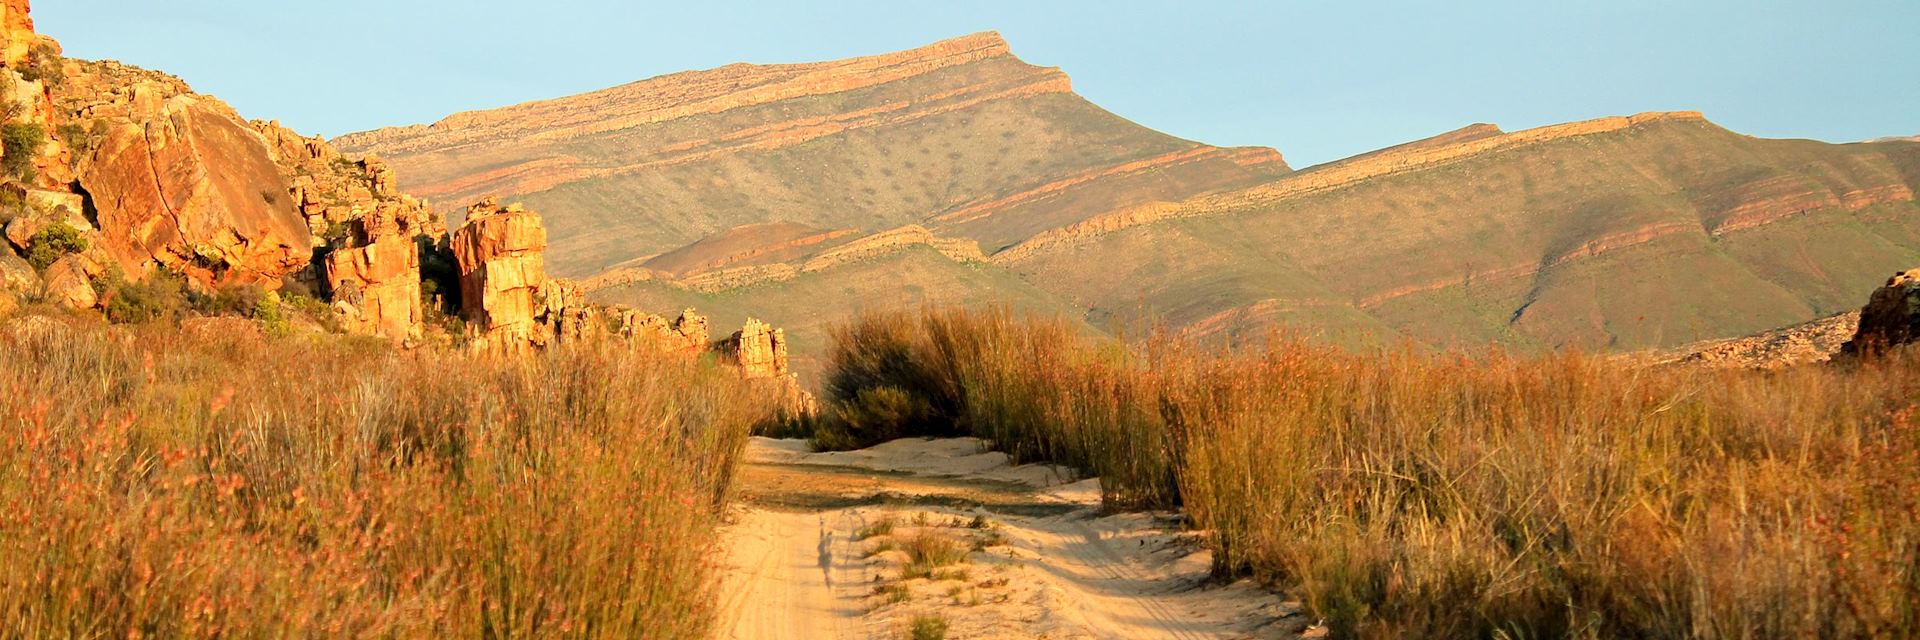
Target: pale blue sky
[1318, 81]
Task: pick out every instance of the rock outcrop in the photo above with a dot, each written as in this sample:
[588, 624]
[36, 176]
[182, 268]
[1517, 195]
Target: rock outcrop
[686, 334]
[195, 191]
[760, 349]
[332, 189]
[502, 272]
[376, 284]
[1891, 317]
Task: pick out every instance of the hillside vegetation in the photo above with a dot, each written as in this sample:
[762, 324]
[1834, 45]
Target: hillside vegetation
[1402, 493]
[204, 480]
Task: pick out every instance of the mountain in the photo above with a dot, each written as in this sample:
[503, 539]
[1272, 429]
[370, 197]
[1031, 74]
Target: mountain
[956, 173]
[960, 132]
[1651, 230]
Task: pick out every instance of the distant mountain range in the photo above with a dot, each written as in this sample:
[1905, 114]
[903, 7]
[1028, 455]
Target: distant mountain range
[958, 174]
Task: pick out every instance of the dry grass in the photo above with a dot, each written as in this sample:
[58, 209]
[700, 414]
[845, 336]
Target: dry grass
[930, 550]
[200, 482]
[1412, 494]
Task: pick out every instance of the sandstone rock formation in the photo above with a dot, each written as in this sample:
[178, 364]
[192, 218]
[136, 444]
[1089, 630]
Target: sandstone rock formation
[376, 285]
[195, 191]
[686, 334]
[332, 189]
[1891, 317]
[502, 270]
[761, 350]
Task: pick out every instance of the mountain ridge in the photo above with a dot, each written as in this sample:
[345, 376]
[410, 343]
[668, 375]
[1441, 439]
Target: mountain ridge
[1613, 232]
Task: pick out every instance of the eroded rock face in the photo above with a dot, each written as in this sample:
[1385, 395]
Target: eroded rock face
[195, 191]
[760, 349]
[1891, 317]
[376, 286]
[502, 269]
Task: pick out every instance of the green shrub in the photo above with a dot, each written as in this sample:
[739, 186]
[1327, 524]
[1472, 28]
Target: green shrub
[53, 242]
[242, 300]
[266, 311]
[76, 138]
[21, 142]
[872, 416]
[160, 296]
[45, 64]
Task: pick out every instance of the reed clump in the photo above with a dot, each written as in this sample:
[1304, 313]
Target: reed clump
[1407, 493]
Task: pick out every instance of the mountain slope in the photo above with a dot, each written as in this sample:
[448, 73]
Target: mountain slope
[1654, 230]
[960, 128]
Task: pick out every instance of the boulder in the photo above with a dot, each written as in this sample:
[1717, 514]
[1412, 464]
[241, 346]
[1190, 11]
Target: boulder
[499, 252]
[15, 274]
[760, 349]
[379, 286]
[1891, 317]
[195, 190]
[69, 282]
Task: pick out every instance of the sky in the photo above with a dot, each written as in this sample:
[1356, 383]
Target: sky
[1317, 80]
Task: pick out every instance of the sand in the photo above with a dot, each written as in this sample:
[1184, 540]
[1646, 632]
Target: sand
[1046, 562]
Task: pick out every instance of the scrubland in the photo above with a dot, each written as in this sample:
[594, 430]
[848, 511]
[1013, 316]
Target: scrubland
[211, 480]
[1408, 493]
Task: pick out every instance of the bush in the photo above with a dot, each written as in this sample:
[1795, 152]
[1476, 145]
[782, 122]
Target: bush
[243, 300]
[21, 143]
[76, 138]
[929, 628]
[44, 64]
[53, 242]
[159, 297]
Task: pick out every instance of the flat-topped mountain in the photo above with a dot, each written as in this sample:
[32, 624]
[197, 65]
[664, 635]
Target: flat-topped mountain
[960, 132]
[956, 173]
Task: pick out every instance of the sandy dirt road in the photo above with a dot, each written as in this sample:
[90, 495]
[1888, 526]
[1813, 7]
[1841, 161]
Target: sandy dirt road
[813, 553]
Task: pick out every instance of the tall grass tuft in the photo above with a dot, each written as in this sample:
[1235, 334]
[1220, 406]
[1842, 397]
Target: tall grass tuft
[1405, 493]
[204, 481]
